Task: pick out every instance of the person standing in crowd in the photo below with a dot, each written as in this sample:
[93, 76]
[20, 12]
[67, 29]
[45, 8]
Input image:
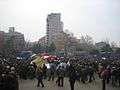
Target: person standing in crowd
[119, 76]
[34, 65]
[72, 76]
[109, 74]
[31, 72]
[44, 70]
[104, 76]
[61, 75]
[83, 74]
[78, 72]
[2, 67]
[90, 74]
[7, 70]
[9, 80]
[23, 71]
[39, 75]
[113, 76]
[51, 72]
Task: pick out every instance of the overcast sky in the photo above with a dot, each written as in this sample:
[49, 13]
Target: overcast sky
[97, 18]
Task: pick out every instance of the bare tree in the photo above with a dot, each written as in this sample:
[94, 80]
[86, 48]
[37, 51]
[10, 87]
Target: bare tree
[86, 42]
[113, 44]
[107, 41]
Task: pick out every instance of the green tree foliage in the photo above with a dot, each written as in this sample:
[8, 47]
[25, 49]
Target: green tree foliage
[52, 47]
[46, 48]
[117, 51]
[78, 47]
[107, 48]
[94, 51]
[86, 43]
[37, 48]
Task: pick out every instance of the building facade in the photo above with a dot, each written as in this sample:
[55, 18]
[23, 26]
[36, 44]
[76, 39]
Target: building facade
[100, 45]
[54, 26]
[16, 38]
[43, 41]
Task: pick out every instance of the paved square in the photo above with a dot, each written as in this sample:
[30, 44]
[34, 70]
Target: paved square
[51, 85]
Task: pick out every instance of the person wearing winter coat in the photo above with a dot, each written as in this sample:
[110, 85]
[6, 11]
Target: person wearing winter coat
[39, 76]
[61, 75]
[72, 76]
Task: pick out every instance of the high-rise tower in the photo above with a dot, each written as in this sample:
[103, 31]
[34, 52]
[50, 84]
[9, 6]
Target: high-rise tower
[54, 26]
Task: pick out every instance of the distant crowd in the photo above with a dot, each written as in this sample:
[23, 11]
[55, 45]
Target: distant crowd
[82, 68]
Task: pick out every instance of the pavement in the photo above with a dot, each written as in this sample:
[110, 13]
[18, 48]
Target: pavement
[51, 85]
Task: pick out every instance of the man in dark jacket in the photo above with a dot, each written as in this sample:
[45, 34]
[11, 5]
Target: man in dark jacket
[118, 76]
[90, 73]
[39, 75]
[61, 74]
[44, 70]
[72, 76]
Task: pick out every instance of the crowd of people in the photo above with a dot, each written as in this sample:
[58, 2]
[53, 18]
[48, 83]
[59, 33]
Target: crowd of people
[83, 68]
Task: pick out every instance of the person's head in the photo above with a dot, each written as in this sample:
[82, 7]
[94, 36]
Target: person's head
[43, 64]
[7, 67]
[12, 68]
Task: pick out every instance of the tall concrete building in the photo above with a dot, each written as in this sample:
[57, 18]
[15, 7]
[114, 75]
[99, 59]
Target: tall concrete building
[54, 26]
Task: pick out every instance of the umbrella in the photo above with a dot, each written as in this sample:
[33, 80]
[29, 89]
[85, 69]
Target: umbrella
[39, 61]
